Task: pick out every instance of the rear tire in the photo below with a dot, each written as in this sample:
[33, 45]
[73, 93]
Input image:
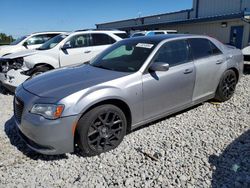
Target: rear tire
[101, 129]
[226, 86]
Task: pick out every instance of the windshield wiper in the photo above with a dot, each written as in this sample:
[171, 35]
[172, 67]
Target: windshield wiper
[101, 66]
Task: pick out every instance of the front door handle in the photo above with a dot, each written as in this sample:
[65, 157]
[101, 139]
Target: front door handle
[219, 62]
[188, 71]
[88, 51]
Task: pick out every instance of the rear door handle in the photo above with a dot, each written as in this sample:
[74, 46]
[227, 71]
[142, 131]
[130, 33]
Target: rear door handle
[188, 71]
[219, 62]
[88, 51]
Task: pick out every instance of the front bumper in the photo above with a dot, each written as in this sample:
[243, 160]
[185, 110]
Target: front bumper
[12, 79]
[50, 137]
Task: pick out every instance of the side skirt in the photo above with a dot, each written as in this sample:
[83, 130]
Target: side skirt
[204, 99]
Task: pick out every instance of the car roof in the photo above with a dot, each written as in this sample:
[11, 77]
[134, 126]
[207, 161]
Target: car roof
[98, 31]
[47, 32]
[159, 38]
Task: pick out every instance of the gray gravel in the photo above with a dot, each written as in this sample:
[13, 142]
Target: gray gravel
[206, 146]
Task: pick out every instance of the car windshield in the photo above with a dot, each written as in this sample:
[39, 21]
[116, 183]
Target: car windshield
[125, 56]
[52, 42]
[18, 40]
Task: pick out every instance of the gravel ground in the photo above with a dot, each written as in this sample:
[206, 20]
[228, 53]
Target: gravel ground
[206, 146]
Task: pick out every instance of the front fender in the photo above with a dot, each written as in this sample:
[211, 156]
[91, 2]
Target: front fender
[83, 100]
[31, 61]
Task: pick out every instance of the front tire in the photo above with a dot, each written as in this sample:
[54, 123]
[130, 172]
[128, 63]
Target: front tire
[39, 70]
[101, 129]
[226, 86]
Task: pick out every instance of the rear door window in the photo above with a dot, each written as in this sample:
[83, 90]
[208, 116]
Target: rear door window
[138, 35]
[99, 39]
[79, 41]
[174, 53]
[200, 48]
[122, 35]
[159, 33]
[215, 49]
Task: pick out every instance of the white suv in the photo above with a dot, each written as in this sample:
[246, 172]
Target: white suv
[63, 50]
[151, 33]
[32, 41]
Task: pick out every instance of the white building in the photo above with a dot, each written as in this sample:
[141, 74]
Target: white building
[226, 20]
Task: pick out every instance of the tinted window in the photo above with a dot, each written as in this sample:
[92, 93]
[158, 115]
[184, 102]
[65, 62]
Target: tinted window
[174, 53]
[101, 39]
[138, 35]
[200, 48]
[215, 49]
[79, 41]
[159, 33]
[122, 35]
[172, 32]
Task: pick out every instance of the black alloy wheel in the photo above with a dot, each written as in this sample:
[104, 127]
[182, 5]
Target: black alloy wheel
[105, 131]
[101, 129]
[226, 86]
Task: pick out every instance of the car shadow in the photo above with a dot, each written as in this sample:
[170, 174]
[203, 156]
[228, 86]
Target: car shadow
[232, 167]
[246, 69]
[4, 91]
[12, 133]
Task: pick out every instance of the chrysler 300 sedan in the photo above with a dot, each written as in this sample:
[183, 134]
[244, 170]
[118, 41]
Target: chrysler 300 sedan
[135, 81]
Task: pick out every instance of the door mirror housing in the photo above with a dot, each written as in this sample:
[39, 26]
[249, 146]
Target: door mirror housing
[159, 66]
[25, 44]
[65, 46]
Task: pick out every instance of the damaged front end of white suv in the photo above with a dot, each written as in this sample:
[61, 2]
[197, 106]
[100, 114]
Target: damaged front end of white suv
[13, 72]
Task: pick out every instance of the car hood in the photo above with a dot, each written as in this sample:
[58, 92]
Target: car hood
[4, 47]
[21, 54]
[64, 82]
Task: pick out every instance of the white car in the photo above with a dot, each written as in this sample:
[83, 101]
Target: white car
[246, 53]
[32, 41]
[151, 33]
[63, 50]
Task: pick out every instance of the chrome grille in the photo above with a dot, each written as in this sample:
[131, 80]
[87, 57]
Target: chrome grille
[18, 109]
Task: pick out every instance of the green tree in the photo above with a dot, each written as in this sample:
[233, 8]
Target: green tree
[5, 39]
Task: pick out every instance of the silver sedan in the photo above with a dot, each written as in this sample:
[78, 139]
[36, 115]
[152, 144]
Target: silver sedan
[134, 82]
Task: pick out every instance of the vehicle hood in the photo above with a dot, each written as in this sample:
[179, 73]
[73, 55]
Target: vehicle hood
[64, 82]
[21, 54]
[4, 47]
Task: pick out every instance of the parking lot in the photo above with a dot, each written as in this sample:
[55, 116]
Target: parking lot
[205, 146]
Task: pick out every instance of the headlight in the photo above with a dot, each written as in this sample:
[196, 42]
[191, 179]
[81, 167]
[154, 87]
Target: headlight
[49, 111]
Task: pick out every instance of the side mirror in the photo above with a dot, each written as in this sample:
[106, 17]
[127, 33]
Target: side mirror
[25, 44]
[159, 66]
[65, 46]
[129, 48]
